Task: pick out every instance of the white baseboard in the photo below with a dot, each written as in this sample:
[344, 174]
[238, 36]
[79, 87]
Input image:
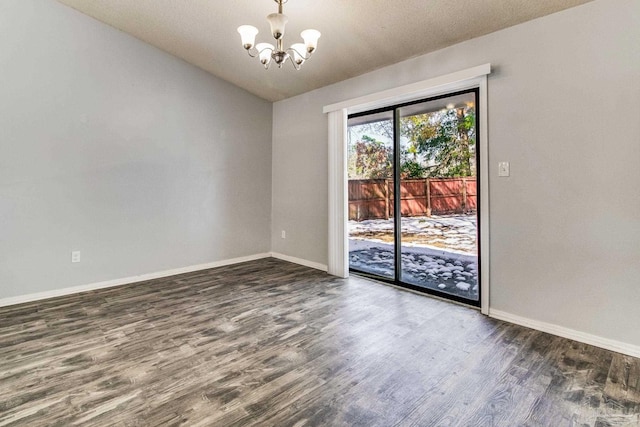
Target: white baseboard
[300, 261]
[608, 344]
[125, 280]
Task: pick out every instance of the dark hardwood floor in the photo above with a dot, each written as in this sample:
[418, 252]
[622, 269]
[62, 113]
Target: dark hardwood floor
[269, 343]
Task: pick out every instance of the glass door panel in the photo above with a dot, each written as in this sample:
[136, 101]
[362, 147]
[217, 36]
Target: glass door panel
[438, 181]
[370, 168]
[413, 192]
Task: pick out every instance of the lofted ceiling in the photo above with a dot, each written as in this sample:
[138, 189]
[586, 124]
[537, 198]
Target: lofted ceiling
[358, 36]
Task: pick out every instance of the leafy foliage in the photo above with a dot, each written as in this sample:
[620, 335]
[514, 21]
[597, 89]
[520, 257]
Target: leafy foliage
[370, 159]
[436, 144]
[447, 138]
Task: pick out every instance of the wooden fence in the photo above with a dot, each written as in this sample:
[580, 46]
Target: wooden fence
[373, 198]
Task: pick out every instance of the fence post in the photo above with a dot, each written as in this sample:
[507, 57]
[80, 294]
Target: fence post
[464, 195]
[427, 193]
[386, 199]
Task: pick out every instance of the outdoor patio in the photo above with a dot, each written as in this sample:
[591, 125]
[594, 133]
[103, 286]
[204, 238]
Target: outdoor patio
[438, 252]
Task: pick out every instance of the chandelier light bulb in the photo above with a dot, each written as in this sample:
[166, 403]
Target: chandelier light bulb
[311, 39]
[265, 50]
[277, 21]
[298, 50]
[248, 34]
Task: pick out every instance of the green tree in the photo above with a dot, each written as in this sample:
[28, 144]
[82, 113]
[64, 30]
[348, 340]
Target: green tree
[436, 144]
[447, 138]
[411, 166]
[370, 159]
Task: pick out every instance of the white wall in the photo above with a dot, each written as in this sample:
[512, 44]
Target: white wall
[564, 110]
[114, 148]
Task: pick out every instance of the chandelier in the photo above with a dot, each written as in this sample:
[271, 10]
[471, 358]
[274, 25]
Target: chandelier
[297, 53]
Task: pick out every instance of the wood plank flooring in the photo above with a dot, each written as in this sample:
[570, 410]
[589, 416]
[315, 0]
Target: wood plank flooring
[269, 343]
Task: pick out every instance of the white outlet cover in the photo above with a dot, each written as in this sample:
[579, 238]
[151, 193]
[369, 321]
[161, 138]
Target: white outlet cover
[75, 256]
[503, 169]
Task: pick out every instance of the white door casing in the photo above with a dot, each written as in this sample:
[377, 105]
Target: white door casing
[476, 77]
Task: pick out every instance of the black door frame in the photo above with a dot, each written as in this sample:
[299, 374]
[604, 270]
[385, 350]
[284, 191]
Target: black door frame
[397, 214]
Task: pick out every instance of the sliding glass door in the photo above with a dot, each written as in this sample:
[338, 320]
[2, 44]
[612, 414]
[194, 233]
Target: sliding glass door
[371, 155]
[413, 192]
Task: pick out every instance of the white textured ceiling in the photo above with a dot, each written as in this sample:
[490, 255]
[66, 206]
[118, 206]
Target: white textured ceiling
[358, 36]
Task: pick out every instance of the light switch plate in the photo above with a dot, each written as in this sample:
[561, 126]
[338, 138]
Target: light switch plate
[503, 169]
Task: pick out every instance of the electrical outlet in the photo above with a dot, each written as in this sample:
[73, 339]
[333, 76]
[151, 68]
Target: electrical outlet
[75, 256]
[283, 234]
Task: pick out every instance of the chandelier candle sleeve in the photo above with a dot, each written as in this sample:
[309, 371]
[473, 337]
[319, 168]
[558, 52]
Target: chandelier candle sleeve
[298, 53]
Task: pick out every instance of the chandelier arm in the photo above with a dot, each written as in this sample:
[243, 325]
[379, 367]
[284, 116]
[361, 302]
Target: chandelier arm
[304, 56]
[253, 52]
[295, 65]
